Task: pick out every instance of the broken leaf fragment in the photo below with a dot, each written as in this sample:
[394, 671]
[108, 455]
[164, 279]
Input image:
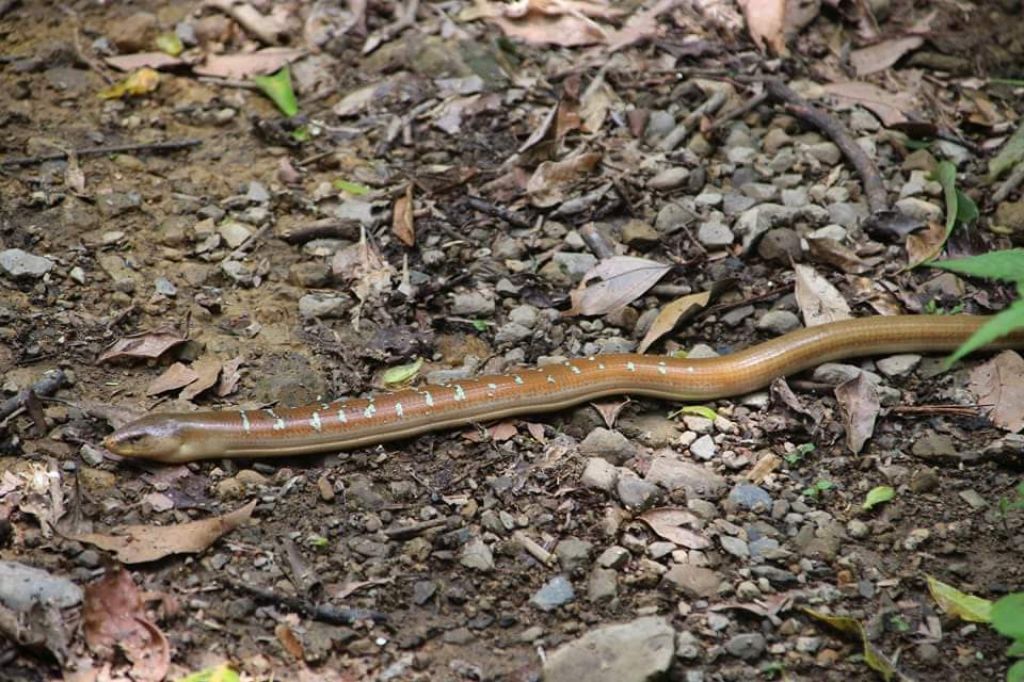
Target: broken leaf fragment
[222, 673]
[141, 82]
[402, 374]
[169, 43]
[875, 659]
[278, 87]
[878, 495]
[960, 604]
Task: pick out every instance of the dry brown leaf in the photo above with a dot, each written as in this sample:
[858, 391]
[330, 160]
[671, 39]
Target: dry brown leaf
[640, 26]
[363, 266]
[999, 383]
[881, 56]
[503, 431]
[402, 220]
[831, 252]
[289, 641]
[680, 310]
[768, 463]
[174, 377]
[766, 22]
[609, 410]
[230, 375]
[926, 244]
[858, 400]
[207, 371]
[241, 66]
[666, 522]
[271, 29]
[537, 432]
[623, 279]
[819, 301]
[114, 617]
[138, 544]
[545, 187]
[567, 23]
[140, 60]
[146, 345]
[890, 107]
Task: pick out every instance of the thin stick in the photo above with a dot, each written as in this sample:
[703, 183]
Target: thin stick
[322, 229]
[1011, 183]
[681, 131]
[874, 190]
[741, 110]
[51, 382]
[100, 151]
[500, 212]
[327, 613]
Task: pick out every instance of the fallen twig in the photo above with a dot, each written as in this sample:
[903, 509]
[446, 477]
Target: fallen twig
[500, 212]
[1009, 185]
[678, 134]
[736, 112]
[322, 229]
[51, 382]
[100, 151]
[326, 613]
[874, 190]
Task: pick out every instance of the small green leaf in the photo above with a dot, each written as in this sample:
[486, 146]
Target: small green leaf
[878, 495]
[700, 411]
[318, 541]
[1009, 156]
[873, 656]
[222, 673]
[1007, 266]
[169, 43]
[479, 325]
[997, 327]
[401, 374]
[966, 210]
[353, 188]
[960, 604]
[1016, 672]
[301, 134]
[1016, 649]
[945, 174]
[1008, 616]
[278, 87]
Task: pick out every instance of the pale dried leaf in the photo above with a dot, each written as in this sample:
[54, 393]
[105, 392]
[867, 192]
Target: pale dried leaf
[858, 401]
[766, 23]
[925, 245]
[609, 410]
[174, 377]
[768, 463]
[819, 301]
[271, 29]
[623, 280]
[114, 618]
[207, 371]
[546, 187]
[640, 26]
[140, 543]
[289, 641]
[402, 219]
[890, 107]
[230, 375]
[682, 309]
[537, 432]
[667, 522]
[881, 56]
[141, 60]
[503, 431]
[241, 66]
[146, 345]
[999, 383]
[831, 252]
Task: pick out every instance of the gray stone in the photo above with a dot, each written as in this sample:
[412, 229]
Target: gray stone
[836, 233]
[764, 547]
[920, 209]
[735, 546]
[670, 178]
[857, 529]
[954, 152]
[673, 217]
[775, 139]
[672, 474]
[613, 557]
[602, 585]
[573, 553]
[472, 303]
[234, 233]
[703, 448]
[554, 593]
[324, 306]
[847, 214]
[735, 203]
[477, 555]
[734, 317]
[635, 492]
[699, 425]
[695, 582]
[659, 124]
[778, 322]
[761, 191]
[973, 498]
[526, 315]
[165, 287]
[21, 586]
[920, 182]
[708, 199]
[715, 235]
[609, 445]
[638, 651]
[749, 496]
[687, 645]
[599, 473]
[19, 264]
[257, 192]
[781, 245]
[748, 646]
[898, 365]
[739, 155]
[795, 197]
[512, 332]
[826, 152]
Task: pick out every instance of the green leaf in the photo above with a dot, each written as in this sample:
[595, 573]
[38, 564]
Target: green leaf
[169, 43]
[966, 210]
[1009, 156]
[1016, 672]
[1008, 616]
[401, 374]
[997, 327]
[700, 411]
[878, 495]
[480, 325]
[960, 604]
[222, 673]
[278, 87]
[1016, 649]
[945, 174]
[353, 188]
[1007, 265]
[873, 656]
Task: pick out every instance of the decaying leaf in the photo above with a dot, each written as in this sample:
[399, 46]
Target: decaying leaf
[960, 604]
[873, 656]
[858, 399]
[831, 252]
[680, 310]
[766, 22]
[230, 375]
[363, 266]
[146, 345]
[152, 60]
[609, 410]
[999, 384]
[554, 22]
[114, 617]
[667, 522]
[174, 377]
[547, 184]
[402, 220]
[622, 279]
[289, 641]
[890, 107]
[141, 82]
[882, 55]
[819, 301]
[138, 543]
[924, 245]
[241, 66]
[207, 371]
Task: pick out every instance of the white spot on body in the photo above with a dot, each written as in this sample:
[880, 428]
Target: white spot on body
[600, 365]
[428, 399]
[314, 421]
[574, 369]
[341, 416]
[517, 379]
[399, 410]
[551, 379]
[460, 394]
[662, 369]
[245, 421]
[370, 410]
[630, 367]
[278, 422]
[689, 369]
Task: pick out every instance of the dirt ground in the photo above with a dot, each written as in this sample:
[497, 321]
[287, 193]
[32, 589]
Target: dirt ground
[276, 261]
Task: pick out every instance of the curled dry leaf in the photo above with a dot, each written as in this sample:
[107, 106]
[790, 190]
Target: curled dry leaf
[139, 543]
[667, 522]
[401, 218]
[881, 56]
[609, 410]
[680, 310]
[288, 639]
[766, 22]
[114, 617]
[271, 29]
[146, 345]
[819, 301]
[240, 66]
[858, 400]
[831, 252]
[362, 265]
[545, 187]
[567, 23]
[230, 375]
[140, 60]
[926, 244]
[174, 377]
[207, 371]
[999, 383]
[890, 107]
[623, 279]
